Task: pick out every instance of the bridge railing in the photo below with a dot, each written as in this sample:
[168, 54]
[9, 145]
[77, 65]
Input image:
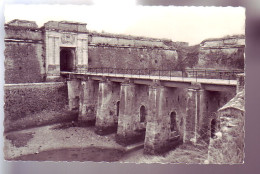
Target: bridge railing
[147, 72]
[213, 73]
[192, 73]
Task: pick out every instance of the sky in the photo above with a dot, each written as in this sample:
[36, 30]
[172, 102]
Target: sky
[187, 24]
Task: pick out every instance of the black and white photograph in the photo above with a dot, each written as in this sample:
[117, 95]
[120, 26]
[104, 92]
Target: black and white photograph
[127, 83]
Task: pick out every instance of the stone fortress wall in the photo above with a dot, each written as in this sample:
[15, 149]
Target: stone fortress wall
[32, 55]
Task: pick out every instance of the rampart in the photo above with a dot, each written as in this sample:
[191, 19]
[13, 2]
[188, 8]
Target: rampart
[162, 113]
[35, 104]
[222, 53]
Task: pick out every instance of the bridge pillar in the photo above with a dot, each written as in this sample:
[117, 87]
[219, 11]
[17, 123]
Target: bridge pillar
[158, 136]
[195, 116]
[129, 130]
[240, 82]
[87, 104]
[105, 121]
[73, 93]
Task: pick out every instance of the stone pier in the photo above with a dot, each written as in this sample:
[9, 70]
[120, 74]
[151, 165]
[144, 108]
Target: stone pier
[196, 113]
[87, 106]
[159, 138]
[129, 126]
[105, 117]
[73, 93]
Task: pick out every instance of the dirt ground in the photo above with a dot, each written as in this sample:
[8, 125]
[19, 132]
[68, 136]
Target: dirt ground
[184, 154]
[68, 142]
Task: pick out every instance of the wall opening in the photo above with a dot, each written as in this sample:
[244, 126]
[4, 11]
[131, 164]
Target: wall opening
[213, 128]
[142, 114]
[173, 121]
[117, 108]
[67, 61]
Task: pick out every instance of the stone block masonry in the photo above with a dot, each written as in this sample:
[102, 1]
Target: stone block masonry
[196, 113]
[222, 53]
[46, 46]
[130, 129]
[73, 93]
[106, 117]
[201, 108]
[88, 101]
[227, 146]
[159, 137]
[24, 62]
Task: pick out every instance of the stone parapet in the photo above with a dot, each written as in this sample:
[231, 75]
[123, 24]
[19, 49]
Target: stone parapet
[66, 26]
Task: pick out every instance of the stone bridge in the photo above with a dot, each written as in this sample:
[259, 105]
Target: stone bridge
[163, 111]
[160, 102]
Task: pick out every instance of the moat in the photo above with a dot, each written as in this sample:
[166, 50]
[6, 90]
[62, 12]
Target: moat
[25, 145]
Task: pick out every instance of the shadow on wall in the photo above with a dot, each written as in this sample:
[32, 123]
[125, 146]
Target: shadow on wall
[227, 145]
[34, 105]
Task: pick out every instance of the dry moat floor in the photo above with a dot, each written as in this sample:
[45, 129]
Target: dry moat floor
[68, 142]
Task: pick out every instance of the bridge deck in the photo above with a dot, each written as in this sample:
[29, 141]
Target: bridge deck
[163, 78]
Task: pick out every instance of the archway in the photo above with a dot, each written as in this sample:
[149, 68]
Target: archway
[142, 114]
[213, 128]
[173, 121]
[66, 59]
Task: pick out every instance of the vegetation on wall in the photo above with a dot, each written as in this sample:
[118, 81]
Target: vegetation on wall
[187, 57]
[23, 101]
[222, 59]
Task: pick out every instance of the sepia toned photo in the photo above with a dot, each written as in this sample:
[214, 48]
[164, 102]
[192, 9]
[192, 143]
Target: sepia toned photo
[135, 84]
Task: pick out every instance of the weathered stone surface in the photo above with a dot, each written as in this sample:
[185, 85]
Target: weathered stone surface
[35, 104]
[110, 50]
[88, 101]
[159, 137]
[106, 118]
[191, 120]
[22, 23]
[222, 53]
[240, 82]
[73, 93]
[66, 26]
[127, 58]
[228, 146]
[130, 130]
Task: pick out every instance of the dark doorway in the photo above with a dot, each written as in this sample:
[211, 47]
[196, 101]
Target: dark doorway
[173, 121]
[213, 128]
[66, 59]
[117, 108]
[142, 114]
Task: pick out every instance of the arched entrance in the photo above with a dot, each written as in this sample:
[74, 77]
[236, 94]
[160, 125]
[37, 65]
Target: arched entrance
[213, 128]
[67, 59]
[142, 114]
[173, 121]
